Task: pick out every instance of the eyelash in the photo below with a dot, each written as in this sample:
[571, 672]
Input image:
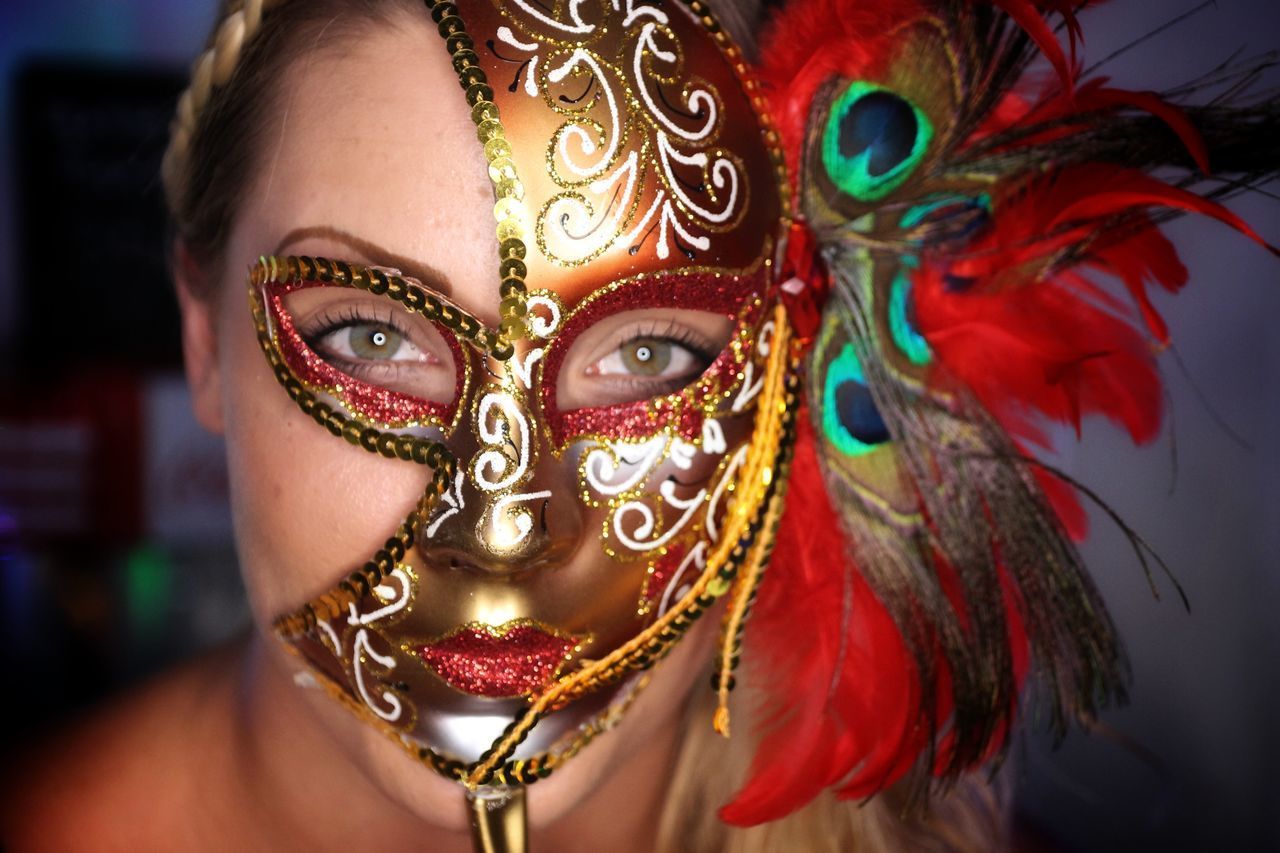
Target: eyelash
[329, 321]
[671, 332]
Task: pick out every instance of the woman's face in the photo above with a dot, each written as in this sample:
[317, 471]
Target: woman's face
[376, 162]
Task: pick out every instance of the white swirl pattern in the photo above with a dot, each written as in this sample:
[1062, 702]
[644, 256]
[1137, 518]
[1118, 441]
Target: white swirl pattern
[675, 141]
[386, 704]
[604, 463]
[503, 428]
[617, 472]
[642, 538]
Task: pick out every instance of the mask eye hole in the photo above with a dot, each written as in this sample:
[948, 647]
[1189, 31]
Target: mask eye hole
[644, 355]
[638, 355]
[384, 364]
[874, 141]
[850, 418]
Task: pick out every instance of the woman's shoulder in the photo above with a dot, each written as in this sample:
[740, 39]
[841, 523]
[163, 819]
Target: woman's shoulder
[132, 774]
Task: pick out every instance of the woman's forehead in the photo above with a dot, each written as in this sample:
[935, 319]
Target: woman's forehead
[620, 150]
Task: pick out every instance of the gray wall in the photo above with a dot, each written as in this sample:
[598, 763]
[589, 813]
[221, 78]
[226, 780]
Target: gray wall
[1190, 763]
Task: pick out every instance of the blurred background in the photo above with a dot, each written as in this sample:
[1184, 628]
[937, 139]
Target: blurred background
[115, 533]
[116, 556]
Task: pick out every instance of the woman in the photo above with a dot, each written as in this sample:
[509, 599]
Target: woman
[558, 305]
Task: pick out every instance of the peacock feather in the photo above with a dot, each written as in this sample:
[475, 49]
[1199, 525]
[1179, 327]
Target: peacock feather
[970, 221]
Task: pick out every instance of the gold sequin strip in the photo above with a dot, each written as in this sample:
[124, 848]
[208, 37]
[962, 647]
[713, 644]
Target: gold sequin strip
[508, 191]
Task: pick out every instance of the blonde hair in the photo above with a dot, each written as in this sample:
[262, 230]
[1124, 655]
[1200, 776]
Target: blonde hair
[970, 817]
[234, 84]
[212, 69]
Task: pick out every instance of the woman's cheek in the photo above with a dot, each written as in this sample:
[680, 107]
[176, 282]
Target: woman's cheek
[308, 507]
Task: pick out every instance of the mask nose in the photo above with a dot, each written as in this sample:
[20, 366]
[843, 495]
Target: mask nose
[502, 534]
[513, 506]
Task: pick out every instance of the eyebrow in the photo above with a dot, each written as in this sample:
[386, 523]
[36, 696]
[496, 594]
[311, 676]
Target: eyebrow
[370, 253]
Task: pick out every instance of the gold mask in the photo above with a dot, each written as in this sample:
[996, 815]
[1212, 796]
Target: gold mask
[561, 546]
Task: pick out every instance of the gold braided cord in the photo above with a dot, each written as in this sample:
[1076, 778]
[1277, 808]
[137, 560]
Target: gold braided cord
[744, 594]
[755, 484]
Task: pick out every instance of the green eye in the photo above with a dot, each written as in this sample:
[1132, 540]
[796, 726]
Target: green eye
[850, 419]
[901, 327]
[873, 141]
[374, 342]
[646, 356]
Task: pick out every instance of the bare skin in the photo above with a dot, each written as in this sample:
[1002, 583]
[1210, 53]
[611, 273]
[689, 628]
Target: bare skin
[228, 752]
[218, 756]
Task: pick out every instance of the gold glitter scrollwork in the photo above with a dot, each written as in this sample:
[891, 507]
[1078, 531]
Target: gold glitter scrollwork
[638, 150]
[756, 504]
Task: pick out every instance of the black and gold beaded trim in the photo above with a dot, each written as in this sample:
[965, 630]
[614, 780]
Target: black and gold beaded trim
[508, 211]
[748, 582]
[421, 451]
[722, 680]
[295, 269]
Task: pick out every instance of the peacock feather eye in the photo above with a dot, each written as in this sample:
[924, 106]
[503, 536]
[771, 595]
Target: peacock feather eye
[874, 140]
[901, 325]
[850, 419]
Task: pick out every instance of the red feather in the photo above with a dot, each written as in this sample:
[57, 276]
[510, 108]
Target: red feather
[1071, 112]
[843, 706]
[816, 40]
[842, 689]
[1017, 320]
[1031, 19]
[1027, 341]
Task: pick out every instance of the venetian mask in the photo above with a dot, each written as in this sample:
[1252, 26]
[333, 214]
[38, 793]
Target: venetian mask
[569, 531]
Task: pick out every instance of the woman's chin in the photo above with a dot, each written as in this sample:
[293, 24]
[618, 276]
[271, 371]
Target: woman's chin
[472, 725]
[604, 740]
[463, 733]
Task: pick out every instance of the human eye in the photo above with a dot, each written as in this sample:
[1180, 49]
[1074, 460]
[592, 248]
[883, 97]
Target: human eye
[632, 358]
[357, 341]
[665, 361]
[374, 342]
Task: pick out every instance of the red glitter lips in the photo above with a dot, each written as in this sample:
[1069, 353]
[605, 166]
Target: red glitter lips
[512, 659]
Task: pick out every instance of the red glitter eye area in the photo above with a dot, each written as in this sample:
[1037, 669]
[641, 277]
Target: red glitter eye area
[714, 292]
[368, 353]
